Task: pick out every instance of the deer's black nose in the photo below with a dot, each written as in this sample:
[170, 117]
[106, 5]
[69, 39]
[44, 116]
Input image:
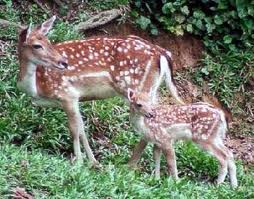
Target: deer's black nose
[63, 64]
[149, 115]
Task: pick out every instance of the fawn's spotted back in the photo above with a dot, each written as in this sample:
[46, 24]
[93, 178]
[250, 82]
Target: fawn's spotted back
[201, 118]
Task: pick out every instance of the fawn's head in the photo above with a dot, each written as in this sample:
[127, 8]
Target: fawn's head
[35, 47]
[140, 102]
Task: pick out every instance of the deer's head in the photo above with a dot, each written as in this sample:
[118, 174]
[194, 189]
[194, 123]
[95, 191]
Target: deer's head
[35, 47]
[140, 102]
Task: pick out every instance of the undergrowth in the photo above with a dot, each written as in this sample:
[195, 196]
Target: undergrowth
[35, 146]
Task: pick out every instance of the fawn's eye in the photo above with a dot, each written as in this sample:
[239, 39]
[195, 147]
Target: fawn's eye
[139, 105]
[36, 46]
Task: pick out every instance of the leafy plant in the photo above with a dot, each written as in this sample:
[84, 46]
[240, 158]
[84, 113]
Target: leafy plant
[230, 23]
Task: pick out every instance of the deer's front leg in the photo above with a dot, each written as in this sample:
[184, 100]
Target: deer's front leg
[157, 160]
[74, 121]
[137, 152]
[76, 126]
[169, 152]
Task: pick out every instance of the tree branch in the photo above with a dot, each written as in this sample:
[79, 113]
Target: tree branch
[99, 19]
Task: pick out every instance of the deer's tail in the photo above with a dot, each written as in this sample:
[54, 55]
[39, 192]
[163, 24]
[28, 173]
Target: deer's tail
[166, 69]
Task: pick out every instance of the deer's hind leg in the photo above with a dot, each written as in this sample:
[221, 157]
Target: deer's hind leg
[220, 154]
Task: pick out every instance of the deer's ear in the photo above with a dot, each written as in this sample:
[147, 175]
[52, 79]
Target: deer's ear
[131, 95]
[45, 27]
[24, 34]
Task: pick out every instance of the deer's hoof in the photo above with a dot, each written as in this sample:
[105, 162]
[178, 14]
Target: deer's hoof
[96, 165]
[77, 160]
[132, 165]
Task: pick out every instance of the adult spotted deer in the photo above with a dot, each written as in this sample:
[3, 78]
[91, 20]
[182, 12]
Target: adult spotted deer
[200, 122]
[65, 73]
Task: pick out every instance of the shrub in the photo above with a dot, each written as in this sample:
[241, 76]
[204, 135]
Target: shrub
[228, 22]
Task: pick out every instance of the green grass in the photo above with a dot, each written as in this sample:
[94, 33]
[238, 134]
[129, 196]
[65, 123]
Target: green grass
[52, 176]
[35, 146]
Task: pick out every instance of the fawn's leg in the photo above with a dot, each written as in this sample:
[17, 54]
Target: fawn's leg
[169, 152]
[231, 167]
[77, 129]
[220, 155]
[137, 152]
[157, 159]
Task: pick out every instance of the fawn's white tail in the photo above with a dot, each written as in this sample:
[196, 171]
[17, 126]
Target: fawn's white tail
[167, 73]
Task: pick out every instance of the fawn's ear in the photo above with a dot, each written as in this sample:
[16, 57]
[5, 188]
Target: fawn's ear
[45, 27]
[131, 95]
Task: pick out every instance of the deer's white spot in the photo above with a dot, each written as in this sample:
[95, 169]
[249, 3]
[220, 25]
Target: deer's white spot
[106, 54]
[85, 59]
[106, 48]
[119, 49]
[125, 50]
[64, 54]
[136, 70]
[71, 56]
[79, 46]
[112, 67]
[117, 78]
[126, 72]
[90, 56]
[131, 70]
[82, 52]
[121, 73]
[96, 54]
[204, 136]
[127, 79]
[77, 55]
[101, 51]
[71, 67]
[136, 81]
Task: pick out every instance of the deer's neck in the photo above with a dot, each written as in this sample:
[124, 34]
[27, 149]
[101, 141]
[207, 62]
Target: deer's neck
[27, 78]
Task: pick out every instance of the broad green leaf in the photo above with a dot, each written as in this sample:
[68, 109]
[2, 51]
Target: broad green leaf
[143, 22]
[218, 20]
[227, 39]
[185, 10]
[189, 28]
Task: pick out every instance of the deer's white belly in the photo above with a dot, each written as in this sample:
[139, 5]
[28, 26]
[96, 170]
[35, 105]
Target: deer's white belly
[179, 131]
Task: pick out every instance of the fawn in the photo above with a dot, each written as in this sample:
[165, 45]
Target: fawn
[66, 73]
[200, 122]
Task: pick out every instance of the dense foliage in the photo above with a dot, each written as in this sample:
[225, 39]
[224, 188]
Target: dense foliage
[229, 22]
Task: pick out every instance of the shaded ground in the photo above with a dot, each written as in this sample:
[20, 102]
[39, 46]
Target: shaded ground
[242, 147]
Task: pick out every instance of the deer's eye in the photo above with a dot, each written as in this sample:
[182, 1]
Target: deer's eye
[37, 46]
[139, 105]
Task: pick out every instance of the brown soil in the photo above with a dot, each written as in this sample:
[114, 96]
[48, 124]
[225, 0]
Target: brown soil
[186, 50]
[242, 147]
